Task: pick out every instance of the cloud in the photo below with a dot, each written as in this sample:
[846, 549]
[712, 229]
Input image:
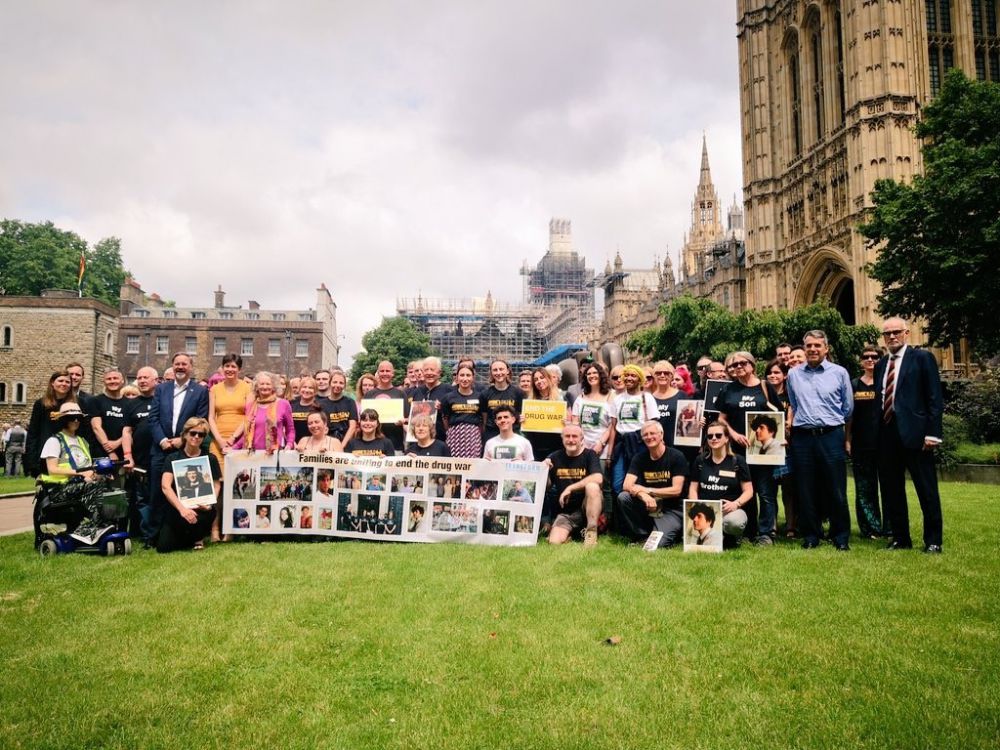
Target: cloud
[384, 148]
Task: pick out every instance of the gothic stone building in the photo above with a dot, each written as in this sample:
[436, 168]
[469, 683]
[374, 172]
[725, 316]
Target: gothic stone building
[830, 91]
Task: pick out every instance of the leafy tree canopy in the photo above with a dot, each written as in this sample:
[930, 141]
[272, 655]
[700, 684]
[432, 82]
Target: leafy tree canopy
[939, 235]
[695, 327]
[395, 339]
[34, 257]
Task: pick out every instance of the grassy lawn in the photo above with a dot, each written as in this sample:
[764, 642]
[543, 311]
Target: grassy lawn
[436, 646]
[16, 484]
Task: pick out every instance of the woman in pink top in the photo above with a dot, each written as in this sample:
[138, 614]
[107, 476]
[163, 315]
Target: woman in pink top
[268, 426]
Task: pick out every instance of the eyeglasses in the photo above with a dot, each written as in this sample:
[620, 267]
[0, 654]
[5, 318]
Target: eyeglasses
[663, 372]
[195, 433]
[716, 435]
[894, 332]
[702, 368]
[872, 357]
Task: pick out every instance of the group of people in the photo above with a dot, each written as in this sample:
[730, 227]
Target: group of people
[617, 437]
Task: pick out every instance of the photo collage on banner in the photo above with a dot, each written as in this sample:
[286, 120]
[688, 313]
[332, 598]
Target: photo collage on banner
[419, 499]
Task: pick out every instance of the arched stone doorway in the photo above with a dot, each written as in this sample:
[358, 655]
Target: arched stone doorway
[825, 275]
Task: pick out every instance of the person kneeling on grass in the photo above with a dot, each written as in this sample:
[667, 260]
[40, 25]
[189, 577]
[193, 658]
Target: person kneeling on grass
[575, 475]
[653, 490]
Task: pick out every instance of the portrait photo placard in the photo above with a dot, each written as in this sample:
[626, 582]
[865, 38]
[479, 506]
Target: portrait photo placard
[687, 431]
[703, 526]
[713, 388]
[765, 431]
[193, 481]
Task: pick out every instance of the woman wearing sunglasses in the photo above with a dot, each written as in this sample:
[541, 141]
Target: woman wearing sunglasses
[719, 474]
[184, 527]
[862, 446]
[747, 393]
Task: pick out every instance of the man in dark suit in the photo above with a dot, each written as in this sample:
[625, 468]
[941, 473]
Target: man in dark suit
[908, 388]
[174, 402]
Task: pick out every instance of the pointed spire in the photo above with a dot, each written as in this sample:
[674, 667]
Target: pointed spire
[706, 173]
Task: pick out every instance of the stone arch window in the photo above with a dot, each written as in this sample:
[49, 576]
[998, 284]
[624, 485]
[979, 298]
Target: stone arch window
[839, 91]
[109, 343]
[3, 393]
[7, 337]
[814, 40]
[940, 42]
[985, 39]
[20, 393]
[794, 98]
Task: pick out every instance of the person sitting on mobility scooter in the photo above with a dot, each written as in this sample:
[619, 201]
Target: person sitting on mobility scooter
[71, 512]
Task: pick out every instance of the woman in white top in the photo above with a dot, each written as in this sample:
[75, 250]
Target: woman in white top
[633, 408]
[593, 409]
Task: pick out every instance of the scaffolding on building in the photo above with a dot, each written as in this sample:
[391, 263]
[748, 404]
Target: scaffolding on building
[479, 327]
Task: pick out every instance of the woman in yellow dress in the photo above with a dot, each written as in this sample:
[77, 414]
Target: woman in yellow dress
[227, 403]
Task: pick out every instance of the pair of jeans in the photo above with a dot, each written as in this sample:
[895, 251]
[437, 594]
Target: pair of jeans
[819, 465]
[766, 488]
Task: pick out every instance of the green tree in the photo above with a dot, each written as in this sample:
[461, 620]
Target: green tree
[395, 339]
[938, 237]
[695, 327]
[34, 257]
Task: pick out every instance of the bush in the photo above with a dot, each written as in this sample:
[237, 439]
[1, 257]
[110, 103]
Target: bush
[977, 402]
[955, 433]
[972, 453]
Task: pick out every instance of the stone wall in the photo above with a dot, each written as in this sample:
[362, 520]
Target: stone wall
[46, 335]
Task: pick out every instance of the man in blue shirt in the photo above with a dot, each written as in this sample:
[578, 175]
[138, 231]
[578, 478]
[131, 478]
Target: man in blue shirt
[821, 402]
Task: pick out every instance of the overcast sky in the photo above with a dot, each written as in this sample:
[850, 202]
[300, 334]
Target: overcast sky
[384, 148]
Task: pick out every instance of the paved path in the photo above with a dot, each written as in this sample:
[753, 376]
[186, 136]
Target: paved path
[15, 514]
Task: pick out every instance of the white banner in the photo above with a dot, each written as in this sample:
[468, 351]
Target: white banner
[401, 499]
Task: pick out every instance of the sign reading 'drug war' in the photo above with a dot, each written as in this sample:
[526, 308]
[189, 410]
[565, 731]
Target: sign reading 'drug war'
[402, 499]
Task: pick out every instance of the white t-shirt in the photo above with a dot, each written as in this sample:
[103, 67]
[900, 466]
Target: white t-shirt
[632, 411]
[52, 449]
[594, 416]
[514, 448]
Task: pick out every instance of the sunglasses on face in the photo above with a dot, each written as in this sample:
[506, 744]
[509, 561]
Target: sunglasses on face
[869, 356]
[716, 435]
[734, 365]
[616, 377]
[196, 433]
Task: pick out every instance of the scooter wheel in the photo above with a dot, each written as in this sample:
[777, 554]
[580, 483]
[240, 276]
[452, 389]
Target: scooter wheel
[47, 548]
[127, 545]
[109, 549]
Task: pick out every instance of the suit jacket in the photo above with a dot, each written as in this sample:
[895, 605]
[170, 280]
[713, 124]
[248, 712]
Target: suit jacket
[161, 410]
[916, 399]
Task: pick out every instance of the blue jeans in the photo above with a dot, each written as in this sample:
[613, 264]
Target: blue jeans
[766, 487]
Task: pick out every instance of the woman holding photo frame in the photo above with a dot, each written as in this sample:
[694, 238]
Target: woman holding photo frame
[720, 474]
[184, 527]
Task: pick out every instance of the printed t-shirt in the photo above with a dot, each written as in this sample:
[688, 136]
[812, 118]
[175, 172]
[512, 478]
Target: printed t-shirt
[567, 470]
[514, 448]
[720, 481]
[657, 473]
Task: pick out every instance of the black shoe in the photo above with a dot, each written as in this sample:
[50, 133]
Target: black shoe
[842, 547]
[933, 549]
[900, 545]
[810, 544]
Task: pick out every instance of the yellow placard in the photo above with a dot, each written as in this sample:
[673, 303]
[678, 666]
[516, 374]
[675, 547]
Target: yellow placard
[390, 410]
[543, 416]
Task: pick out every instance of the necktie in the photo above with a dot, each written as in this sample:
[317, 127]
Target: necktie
[890, 387]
